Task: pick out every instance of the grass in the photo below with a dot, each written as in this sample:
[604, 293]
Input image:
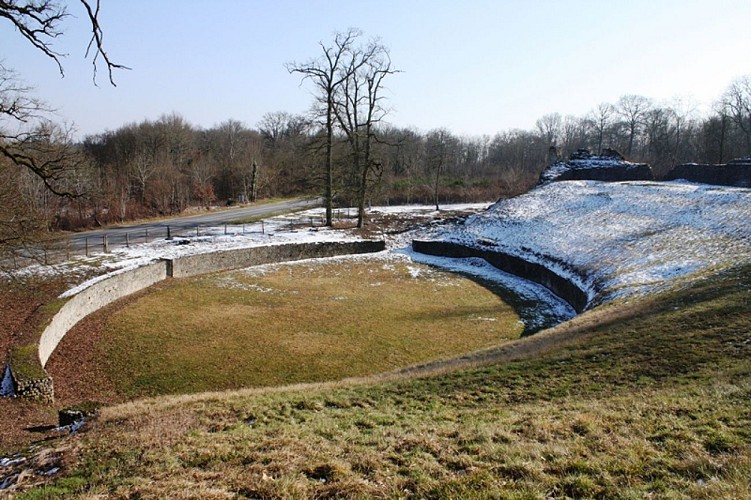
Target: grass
[299, 323]
[652, 402]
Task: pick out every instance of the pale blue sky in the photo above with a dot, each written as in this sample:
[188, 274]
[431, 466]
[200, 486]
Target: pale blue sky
[474, 67]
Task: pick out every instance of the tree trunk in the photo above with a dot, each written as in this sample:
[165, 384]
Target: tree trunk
[253, 174]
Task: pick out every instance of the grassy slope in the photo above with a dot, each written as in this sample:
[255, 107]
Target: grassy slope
[657, 401]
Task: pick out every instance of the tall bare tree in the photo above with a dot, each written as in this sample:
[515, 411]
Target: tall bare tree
[359, 109]
[632, 109]
[328, 73]
[550, 128]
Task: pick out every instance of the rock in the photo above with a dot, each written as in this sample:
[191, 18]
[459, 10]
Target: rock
[70, 416]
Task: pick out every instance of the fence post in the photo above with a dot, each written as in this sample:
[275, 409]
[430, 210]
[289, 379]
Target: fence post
[225, 229]
[86, 240]
[105, 244]
[263, 229]
[169, 235]
[146, 237]
[197, 232]
[127, 241]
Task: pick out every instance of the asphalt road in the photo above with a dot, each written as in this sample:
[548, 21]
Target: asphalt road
[138, 233]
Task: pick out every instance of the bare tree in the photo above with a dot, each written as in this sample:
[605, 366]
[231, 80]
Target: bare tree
[358, 110]
[550, 128]
[737, 100]
[38, 22]
[438, 153]
[599, 120]
[632, 110]
[27, 140]
[328, 73]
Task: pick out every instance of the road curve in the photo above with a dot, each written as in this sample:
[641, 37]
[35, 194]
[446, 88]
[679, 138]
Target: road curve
[116, 235]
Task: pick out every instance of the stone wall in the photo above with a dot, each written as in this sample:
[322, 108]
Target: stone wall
[245, 257]
[95, 297]
[37, 389]
[120, 285]
[512, 264]
[610, 166]
[735, 173]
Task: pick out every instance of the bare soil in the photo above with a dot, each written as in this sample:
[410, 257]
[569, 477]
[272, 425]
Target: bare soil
[23, 422]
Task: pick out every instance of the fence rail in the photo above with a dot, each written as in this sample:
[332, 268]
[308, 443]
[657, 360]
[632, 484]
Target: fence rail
[57, 251]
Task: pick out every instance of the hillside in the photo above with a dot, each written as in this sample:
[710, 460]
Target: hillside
[617, 240]
[645, 394]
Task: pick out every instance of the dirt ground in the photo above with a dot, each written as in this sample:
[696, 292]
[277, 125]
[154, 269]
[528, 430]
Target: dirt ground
[23, 422]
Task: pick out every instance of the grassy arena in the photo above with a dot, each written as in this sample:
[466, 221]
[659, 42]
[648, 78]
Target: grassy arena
[298, 323]
[645, 400]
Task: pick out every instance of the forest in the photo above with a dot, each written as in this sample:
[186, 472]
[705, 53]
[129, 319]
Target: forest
[344, 149]
[165, 166]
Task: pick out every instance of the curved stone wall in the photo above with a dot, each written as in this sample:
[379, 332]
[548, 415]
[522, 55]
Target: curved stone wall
[120, 285]
[564, 288]
[93, 298]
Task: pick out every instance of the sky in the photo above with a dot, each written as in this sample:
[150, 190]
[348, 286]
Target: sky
[476, 67]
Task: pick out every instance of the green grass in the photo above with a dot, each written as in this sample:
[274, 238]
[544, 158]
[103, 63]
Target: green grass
[300, 323]
[652, 402]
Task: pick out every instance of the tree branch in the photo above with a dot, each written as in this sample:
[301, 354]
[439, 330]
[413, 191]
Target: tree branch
[97, 44]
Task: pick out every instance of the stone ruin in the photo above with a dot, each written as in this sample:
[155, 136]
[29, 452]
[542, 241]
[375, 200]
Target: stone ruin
[609, 166]
[735, 173]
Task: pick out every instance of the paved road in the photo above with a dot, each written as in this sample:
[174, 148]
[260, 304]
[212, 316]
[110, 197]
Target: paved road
[138, 233]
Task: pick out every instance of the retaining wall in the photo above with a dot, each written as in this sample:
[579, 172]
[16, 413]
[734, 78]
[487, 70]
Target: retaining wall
[108, 290]
[192, 265]
[735, 173]
[95, 297]
[562, 287]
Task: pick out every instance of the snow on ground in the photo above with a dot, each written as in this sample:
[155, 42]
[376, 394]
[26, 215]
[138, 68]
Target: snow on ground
[614, 240]
[283, 229]
[617, 239]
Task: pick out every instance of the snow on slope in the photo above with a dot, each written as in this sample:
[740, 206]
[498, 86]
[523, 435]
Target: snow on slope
[617, 239]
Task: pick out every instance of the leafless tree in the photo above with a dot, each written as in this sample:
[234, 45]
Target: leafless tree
[550, 128]
[359, 109]
[38, 21]
[328, 73]
[737, 100]
[632, 110]
[27, 139]
[599, 120]
[439, 154]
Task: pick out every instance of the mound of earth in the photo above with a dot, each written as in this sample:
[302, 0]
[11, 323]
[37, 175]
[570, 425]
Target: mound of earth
[615, 240]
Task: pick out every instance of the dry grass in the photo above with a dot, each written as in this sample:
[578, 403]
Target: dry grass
[298, 323]
[655, 403]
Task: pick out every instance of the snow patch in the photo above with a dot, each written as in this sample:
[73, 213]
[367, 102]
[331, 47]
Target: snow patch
[615, 240]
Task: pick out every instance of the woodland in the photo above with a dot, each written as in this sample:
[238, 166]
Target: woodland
[344, 149]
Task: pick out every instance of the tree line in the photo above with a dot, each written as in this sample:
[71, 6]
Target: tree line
[167, 165]
[343, 150]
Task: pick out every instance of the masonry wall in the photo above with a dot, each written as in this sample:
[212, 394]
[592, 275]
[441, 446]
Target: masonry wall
[113, 288]
[245, 257]
[95, 297]
[735, 173]
[512, 264]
